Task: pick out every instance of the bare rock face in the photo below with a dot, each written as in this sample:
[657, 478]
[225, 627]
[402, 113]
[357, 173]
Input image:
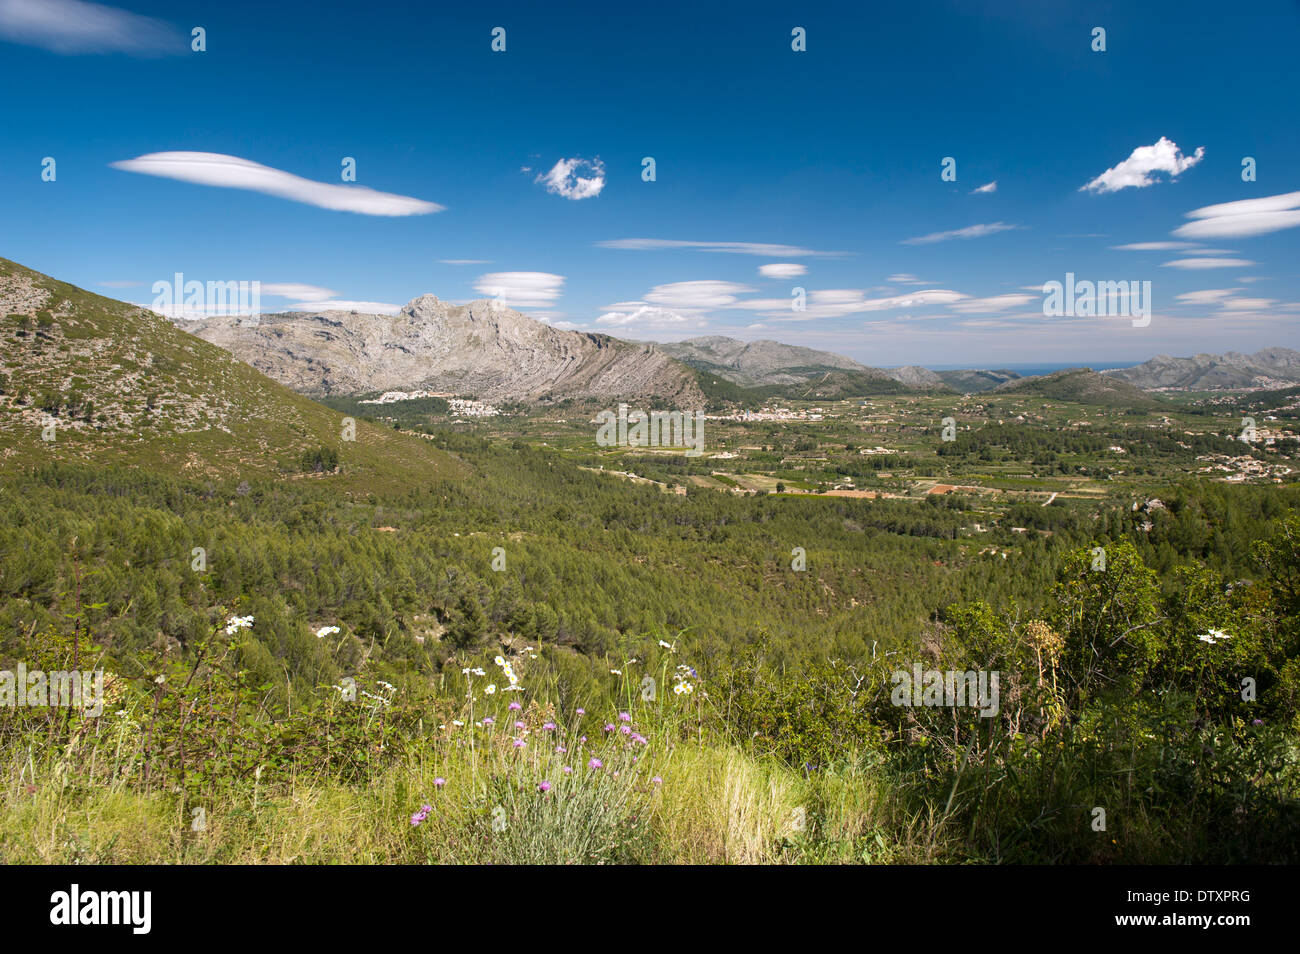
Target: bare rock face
[480, 349]
[1271, 367]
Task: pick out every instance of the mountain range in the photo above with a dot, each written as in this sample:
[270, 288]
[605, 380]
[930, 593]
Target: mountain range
[1269, 368]
[119, 373]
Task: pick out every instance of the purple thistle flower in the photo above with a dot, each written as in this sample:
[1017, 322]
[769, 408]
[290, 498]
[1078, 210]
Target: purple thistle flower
[624, 717]
[582, 712]
[439, 782]
[568, 770]
[544, 787]
[519, 743]
[625, 729]
[519, 725]
[657, 780]
[595, 763]
[488, 720]
[609, 727]
[549, 726]
[515, 707]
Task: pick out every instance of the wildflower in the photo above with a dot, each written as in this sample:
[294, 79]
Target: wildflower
[617, 672]
[684, 688]
[544, 786]
[326, 631]
[561, 749]
[439, 782]
[236, 623]
[519, 725]
[582, 712]
[478, 671]
[624, 717]
[667, 646]
[457, 722]
[608, 727]
[1257, 722]
[519, 743]
[500, 661]
[657, 780]
[595, 763]
[639, 738]
[515, 707]
[549, 726]
[421, 815]
[160, 679]
[568, 770]
[1212, 636]
[488, 720]
[583, 739]
[490, 689]
[626, 730]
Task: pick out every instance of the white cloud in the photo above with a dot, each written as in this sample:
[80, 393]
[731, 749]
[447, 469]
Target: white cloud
[905, 278]
[651, 317]
[297, 291]
[231, 172]
[782, 270]
[1136, 171]
[981, 306]
[1247, 304]
[738, 248]
[697, 296]
[73, 26]
[1206, 296]
[521, 289]
[971, 231]
[564, 178]
[1153, 246]
[1201, 263]
[1243, 218]
[364, 307]
[839, 302]
[986, 188]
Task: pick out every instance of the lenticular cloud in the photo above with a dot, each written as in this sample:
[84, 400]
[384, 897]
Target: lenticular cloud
[231, 172]
[1244, 218]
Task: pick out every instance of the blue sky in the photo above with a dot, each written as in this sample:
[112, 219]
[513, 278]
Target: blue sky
[826, 162]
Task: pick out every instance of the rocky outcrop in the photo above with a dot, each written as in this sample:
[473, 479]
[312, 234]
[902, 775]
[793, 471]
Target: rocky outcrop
[480, 349]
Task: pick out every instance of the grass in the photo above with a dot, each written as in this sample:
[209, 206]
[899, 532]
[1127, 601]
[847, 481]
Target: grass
[716, 805]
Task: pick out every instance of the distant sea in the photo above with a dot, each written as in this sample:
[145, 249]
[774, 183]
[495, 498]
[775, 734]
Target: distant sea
[1033, 370]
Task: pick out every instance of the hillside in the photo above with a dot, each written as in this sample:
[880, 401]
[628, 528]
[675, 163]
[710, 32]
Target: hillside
[976, 382]
[1082, 386]
[122, 385]
[1269, 368]
[480, 349]
[757, 363]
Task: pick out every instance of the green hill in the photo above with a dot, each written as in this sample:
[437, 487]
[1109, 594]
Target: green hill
[85, 378]
[1082, 386]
